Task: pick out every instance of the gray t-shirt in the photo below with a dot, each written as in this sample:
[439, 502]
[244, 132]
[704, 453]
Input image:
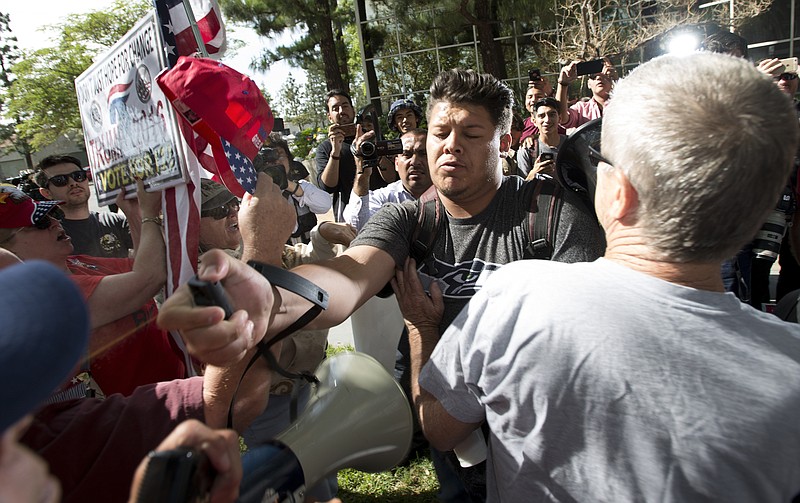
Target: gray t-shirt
[600, 383]
[467, 251]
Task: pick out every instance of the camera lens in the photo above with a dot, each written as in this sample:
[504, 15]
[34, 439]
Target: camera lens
[367, 149]
[767, 243]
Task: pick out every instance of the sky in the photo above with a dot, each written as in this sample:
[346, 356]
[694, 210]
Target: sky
[27, 17]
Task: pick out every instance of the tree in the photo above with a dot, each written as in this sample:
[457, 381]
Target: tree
[9, 53]
[586, 29]
[321, 45]
[41, 98]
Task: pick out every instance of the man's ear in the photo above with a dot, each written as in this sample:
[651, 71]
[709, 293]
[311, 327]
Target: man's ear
[625, 200]
[45, 193]
[505, 142]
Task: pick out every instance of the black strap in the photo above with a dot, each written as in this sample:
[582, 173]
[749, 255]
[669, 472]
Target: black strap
[302, 287]
[429, 216]
[545, 209]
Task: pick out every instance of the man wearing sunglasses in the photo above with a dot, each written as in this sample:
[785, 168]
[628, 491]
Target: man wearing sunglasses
[99, 234]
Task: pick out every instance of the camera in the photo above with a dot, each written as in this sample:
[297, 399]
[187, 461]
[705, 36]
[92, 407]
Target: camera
[267, 161]
[767, 243]
[369, 151]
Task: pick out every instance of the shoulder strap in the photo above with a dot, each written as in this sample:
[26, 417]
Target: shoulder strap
[545, 209]
[429, 219]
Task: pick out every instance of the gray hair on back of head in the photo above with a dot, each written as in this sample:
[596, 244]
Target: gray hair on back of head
[707, 141]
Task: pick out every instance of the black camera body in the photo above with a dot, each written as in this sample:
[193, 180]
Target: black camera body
[369, 151]
[266, 161]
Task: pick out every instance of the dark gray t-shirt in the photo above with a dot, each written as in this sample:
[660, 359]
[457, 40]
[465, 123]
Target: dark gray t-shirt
[468, 250]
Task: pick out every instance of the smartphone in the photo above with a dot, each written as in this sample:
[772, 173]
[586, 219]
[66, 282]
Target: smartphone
[534, 75]
[790, 65]
[589, 67]
[348, 129]
[546, 156]
[206, 293]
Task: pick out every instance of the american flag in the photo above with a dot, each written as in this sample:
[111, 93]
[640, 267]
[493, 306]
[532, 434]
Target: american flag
[182, 203]
[177, 31]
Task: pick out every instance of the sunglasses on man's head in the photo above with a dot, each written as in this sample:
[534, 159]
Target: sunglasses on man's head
[222, 211]
[63, 180]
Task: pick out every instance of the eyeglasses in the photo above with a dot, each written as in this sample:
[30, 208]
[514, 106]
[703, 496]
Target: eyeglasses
[596, 156]
[786, 76]
[222, 211]
[63, 180]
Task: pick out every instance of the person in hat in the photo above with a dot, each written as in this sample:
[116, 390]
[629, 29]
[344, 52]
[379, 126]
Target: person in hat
[34, 362]
[126, 348]
[636, 377]
[95, 233]
[404, 115]
[219, 218]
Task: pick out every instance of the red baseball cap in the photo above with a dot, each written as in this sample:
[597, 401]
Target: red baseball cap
[17, 209]
[226, 108]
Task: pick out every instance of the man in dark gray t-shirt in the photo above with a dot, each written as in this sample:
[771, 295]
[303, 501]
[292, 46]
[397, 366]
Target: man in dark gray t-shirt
[484, 225]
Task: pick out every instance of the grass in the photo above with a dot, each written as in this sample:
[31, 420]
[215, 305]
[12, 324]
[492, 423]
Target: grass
[414, 481]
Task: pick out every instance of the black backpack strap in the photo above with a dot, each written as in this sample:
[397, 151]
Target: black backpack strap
[429, 218]
[545, 210]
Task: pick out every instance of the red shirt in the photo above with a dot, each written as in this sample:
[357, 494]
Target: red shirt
[132, 350]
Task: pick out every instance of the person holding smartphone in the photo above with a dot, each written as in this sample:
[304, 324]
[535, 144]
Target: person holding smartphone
[601, 74]
[538, 160]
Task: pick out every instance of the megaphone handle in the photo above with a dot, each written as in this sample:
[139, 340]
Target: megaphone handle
[272, 468]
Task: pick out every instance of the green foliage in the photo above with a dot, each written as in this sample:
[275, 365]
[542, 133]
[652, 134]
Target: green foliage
[42, 97]
[414, 482]
[305, 141]
[318, 24]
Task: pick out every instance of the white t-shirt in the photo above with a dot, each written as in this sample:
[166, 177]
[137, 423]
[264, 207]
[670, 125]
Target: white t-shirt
[600, 383]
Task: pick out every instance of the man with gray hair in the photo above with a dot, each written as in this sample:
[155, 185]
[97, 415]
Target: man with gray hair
[636, 377]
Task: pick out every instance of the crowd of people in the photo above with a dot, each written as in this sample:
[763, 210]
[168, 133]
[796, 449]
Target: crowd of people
[593, 346]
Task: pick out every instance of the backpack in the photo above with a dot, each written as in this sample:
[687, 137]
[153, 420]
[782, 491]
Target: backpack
[545, 209]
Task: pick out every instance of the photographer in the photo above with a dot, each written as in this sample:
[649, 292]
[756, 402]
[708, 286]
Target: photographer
[336, 166]
[412, 169]
[543, 150]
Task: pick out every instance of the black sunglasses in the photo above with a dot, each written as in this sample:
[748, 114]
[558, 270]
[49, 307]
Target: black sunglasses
[63, 180]
[222, 211]
[786, 76]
